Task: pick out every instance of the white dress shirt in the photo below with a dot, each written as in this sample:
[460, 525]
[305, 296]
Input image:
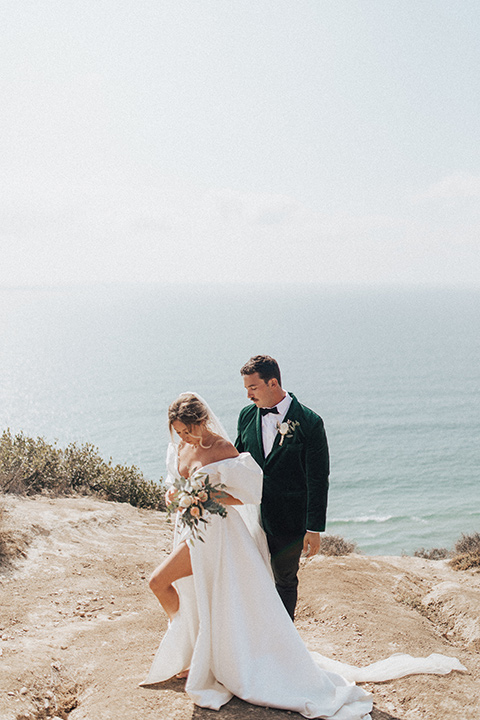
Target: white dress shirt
[270, 422]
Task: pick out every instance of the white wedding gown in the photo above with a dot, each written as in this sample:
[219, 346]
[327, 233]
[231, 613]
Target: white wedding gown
[233, 632]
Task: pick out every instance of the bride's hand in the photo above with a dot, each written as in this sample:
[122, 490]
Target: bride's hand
[225, 498]
[169, 495]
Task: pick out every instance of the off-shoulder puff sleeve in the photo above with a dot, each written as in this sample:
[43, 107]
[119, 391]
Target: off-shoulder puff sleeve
[241, 475]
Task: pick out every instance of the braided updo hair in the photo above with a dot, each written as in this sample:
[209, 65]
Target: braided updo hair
[188, 409]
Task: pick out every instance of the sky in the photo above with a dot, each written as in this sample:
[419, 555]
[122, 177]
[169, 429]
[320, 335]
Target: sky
[329, 142]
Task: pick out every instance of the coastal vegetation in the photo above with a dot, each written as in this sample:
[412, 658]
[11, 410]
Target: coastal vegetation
[464, 555]
[32, 465]
[467, 552]
[432, 554]
[335, 545]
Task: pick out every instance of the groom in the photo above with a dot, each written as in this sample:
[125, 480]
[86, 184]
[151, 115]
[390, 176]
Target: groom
[288, 441]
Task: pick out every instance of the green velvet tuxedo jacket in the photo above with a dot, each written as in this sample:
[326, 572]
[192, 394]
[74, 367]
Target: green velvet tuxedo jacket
[295, 474]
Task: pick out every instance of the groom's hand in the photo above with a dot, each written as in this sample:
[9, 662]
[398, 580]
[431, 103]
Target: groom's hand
[311, 544]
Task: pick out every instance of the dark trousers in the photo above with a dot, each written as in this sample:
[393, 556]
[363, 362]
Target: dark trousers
[285, 551]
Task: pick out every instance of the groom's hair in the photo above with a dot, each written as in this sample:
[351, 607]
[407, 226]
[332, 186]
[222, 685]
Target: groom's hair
[265, 366]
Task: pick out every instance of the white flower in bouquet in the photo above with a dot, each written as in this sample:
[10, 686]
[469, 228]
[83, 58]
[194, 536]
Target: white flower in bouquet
[185, 500]
[194, 500]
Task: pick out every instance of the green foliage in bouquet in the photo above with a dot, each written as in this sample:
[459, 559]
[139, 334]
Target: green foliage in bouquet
[193, 497]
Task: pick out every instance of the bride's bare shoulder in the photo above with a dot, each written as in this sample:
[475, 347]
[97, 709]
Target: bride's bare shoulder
[223, 449]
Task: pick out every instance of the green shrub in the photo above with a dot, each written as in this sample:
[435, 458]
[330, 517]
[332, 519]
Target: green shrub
[31, 466]
[127, 484]
[84, 467]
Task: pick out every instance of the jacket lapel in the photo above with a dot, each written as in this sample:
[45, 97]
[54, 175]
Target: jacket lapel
[252, 438]
[258, 427]
[292, 411]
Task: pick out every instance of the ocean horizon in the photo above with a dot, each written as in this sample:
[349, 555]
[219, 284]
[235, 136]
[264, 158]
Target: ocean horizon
[394, 373]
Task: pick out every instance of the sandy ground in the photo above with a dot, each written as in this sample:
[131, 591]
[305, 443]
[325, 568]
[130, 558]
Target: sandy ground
[79, 625]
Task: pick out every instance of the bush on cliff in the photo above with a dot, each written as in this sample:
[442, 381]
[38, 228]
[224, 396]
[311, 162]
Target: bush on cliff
[432, 554]
[467, 552]
[29, 466]
[335, 545]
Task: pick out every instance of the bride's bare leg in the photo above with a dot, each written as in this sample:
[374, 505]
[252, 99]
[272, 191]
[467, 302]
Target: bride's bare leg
[176, 566]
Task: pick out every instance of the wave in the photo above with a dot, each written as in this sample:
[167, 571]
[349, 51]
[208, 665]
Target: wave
[366, 519]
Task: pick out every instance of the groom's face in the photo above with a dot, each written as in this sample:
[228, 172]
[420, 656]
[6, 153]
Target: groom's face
[259, 391]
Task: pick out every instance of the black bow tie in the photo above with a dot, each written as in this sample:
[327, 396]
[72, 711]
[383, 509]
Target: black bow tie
[265, 411]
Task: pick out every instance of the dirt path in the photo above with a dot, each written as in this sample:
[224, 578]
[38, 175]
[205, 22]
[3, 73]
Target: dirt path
[79, 626]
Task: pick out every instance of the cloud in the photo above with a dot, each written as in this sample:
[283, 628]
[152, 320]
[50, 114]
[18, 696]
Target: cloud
[457, 185]
[174, 231]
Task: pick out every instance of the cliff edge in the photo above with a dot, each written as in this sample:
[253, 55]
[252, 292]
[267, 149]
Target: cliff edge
[79, 625]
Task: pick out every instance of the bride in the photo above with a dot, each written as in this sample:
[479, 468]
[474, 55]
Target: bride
[229, 633]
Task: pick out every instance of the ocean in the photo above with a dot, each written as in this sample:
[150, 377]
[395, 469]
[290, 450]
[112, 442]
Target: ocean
[395, 374]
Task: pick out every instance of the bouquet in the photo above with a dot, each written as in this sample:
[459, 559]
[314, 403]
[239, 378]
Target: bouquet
[193, 497]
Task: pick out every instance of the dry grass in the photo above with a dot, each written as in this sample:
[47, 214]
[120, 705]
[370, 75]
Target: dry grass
[335, 545]
[466, 561]
[467, 552]
[432, 554]
[468, 544]
[465, 555]
[410, 599]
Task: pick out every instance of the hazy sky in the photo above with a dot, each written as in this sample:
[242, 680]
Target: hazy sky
[331, 141]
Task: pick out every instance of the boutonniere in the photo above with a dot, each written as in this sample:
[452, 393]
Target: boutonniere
[286, 429]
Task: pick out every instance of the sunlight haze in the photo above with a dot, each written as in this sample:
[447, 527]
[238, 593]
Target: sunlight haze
[320, 141]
